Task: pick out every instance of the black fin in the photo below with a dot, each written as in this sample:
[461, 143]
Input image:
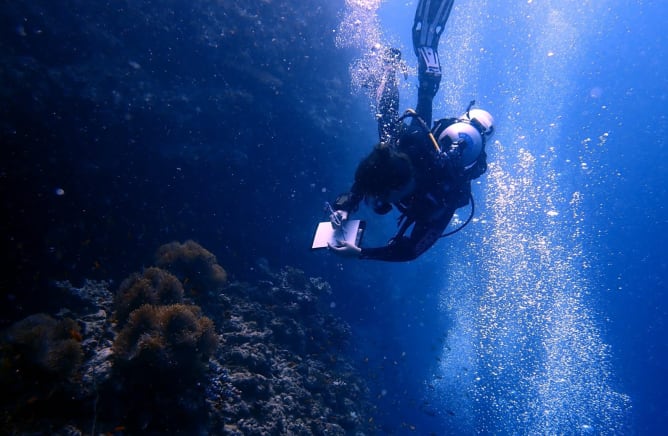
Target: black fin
[429, 22]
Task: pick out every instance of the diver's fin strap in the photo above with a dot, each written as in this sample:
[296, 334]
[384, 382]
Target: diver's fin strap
[428, 58]
[429, 22]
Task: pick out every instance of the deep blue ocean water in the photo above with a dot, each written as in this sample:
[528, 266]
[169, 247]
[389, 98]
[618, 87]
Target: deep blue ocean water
[126, 125]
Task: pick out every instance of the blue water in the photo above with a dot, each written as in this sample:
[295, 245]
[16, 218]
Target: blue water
[546, 315]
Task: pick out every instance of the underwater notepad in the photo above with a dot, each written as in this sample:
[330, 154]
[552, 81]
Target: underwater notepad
[350, 231]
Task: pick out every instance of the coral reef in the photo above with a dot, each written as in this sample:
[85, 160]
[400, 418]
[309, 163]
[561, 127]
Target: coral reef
[260, 358]
[39, 357]
[162, 347]
[155, 286]
[165, 339]
[195, 266]
[281, 365]
[46, 345]
[160, 359]
[97, 330]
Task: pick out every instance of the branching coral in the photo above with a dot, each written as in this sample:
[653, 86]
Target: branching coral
[197, 267]
[155, 286]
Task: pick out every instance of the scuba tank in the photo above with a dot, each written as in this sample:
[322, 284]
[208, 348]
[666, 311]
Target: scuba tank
[465, 136]
[461, 141]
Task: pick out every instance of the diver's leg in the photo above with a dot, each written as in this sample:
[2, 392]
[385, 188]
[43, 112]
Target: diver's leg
[428, 25]
[429, 78]
[387, 98]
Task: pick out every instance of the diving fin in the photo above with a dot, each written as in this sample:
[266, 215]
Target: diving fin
[429, 22]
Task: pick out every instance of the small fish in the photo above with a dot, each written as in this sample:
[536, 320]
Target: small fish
[115, 430]
[74, 334]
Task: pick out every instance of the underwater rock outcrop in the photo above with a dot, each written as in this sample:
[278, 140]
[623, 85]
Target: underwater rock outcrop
[258, 358]
[200, 86]
[107, 59]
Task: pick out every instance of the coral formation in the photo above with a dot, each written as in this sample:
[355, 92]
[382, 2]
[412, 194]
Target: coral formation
[160, 361]
[195, 266]
[42, 344]
[39, 357]
[155, 286]
[280, 369]
[164, 339]
[161, 351]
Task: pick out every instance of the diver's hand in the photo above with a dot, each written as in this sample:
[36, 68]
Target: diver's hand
[346, 249]
[338, 217]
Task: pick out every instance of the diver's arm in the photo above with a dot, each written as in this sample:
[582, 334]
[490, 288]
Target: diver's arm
[404, 249]
[397, 251]
[343, 206]
[346, 249]
[348, 202]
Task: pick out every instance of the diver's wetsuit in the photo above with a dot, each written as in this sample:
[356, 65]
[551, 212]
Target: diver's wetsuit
[440, 187]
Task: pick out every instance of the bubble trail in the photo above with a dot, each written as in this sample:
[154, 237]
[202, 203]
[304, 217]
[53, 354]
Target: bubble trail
[525, 354]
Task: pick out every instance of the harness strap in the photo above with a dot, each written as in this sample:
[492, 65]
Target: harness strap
[412, 114]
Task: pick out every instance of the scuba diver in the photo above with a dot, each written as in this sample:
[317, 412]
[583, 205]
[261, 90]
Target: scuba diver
[425, 173]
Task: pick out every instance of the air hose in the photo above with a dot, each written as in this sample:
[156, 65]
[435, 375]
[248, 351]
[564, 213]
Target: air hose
[468, 220]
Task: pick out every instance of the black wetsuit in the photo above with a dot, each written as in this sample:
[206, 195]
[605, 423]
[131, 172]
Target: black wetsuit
[441, 185]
